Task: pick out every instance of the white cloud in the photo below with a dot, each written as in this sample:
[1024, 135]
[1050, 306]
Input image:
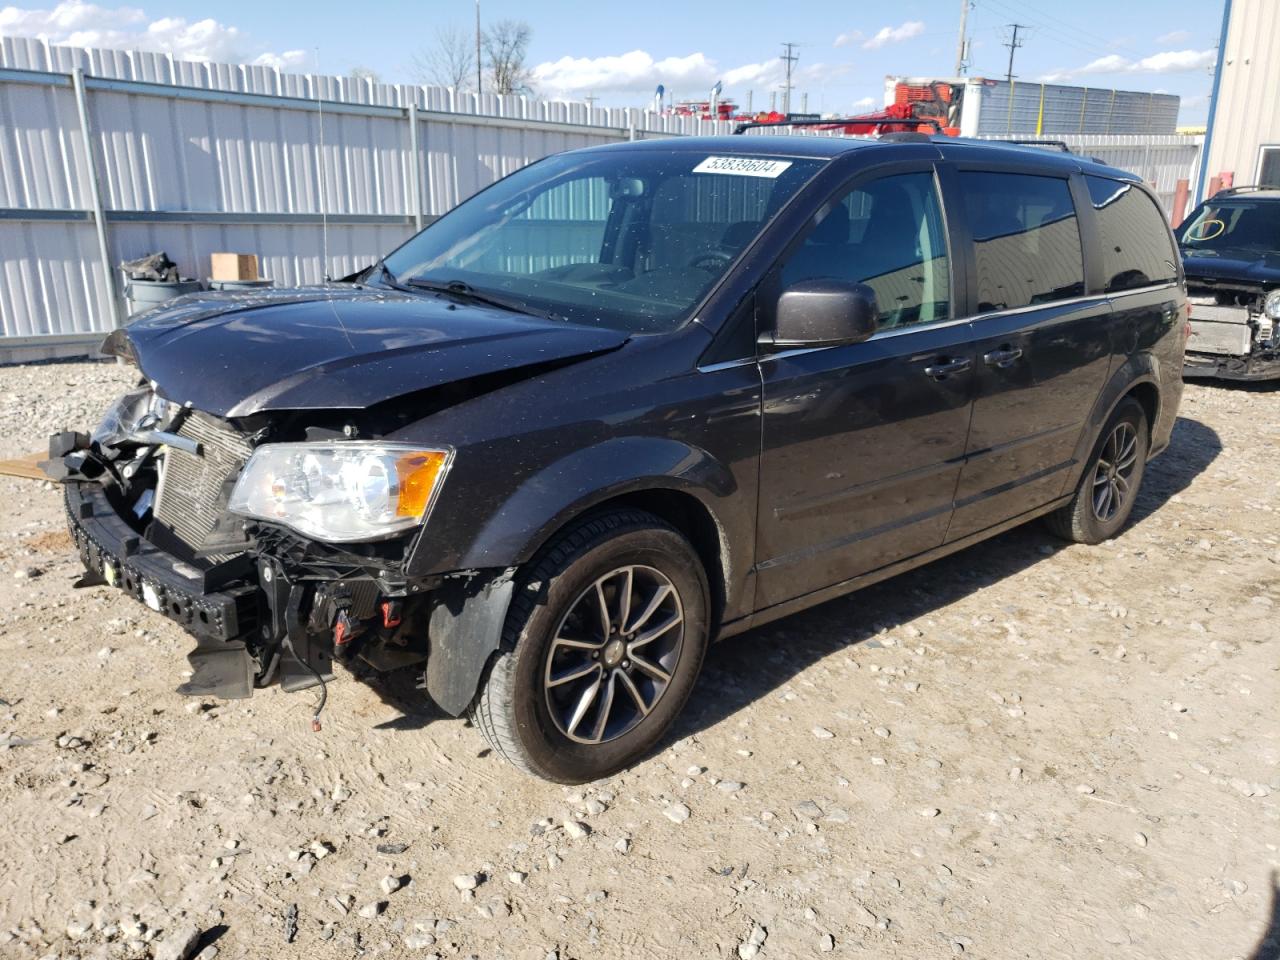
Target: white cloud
[1175, 61]
[888, 35]
[1111, 63]
[853, 36]
[1167, 61]
[634, 72]
[866, 103]
[1174, 36]
[639, 73]
[79, 24]
[296, 60]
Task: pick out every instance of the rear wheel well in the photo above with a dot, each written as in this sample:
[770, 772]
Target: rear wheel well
[1147, 395]
[690, 516]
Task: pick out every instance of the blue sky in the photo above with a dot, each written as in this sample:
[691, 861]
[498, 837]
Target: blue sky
[619, 51]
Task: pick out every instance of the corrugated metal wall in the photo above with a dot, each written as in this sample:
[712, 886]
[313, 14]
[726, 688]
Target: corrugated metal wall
[193, 158]
[1051, 109]
[1248, 112]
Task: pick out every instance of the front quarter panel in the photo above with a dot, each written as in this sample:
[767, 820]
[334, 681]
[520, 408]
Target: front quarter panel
[534, 455]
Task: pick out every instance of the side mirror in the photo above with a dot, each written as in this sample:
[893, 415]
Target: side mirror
[825, 313]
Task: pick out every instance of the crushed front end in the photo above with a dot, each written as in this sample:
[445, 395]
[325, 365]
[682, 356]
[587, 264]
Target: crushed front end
[1235, 330]
[201, 518]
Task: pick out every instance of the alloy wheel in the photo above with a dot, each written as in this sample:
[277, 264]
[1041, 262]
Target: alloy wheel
[613, 654]
[1112, 478]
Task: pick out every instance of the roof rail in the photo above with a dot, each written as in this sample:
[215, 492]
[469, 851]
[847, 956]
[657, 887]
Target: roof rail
[837, 122]
[1060, 144]
[1245, 188]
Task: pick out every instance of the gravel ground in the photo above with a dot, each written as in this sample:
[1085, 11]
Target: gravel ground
[1024, 750]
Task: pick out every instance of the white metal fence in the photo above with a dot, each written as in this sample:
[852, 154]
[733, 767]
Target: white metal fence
[108, 155]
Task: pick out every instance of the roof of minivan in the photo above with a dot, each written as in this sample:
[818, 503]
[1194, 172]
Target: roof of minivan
[827, 148]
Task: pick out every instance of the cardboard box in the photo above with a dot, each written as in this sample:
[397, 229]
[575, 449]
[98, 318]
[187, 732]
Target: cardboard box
[234, 266]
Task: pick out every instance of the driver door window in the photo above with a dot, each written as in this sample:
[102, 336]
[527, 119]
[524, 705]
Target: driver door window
[889, 235]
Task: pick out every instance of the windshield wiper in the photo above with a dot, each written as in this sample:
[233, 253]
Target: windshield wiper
[464, 291]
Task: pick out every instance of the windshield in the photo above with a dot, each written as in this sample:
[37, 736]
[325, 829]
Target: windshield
[630, 240]
[1236, 226]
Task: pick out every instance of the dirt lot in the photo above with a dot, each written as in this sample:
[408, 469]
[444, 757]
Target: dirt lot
[1025, 750]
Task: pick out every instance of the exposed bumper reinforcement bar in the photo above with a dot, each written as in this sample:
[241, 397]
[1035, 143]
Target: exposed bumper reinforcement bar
[114, 554]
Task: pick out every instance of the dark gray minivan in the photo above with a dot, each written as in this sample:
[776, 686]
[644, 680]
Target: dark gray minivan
[625, 401]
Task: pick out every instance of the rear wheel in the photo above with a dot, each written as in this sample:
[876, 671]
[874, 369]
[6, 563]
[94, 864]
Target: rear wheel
[1108, 488]
[602, 646]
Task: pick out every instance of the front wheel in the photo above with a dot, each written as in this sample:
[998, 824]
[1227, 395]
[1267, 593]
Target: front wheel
[1106, 493]
[602, 646]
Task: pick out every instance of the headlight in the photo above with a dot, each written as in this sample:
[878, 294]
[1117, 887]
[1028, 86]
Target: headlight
[341, 491]
[1271, 306]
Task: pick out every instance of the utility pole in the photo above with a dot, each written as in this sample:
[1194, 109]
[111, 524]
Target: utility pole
[789, 58]
[479, 84]
[1013, 45]
[962, 46]
[591, 99]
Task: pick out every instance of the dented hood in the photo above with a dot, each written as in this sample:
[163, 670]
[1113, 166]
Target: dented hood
[334, 347]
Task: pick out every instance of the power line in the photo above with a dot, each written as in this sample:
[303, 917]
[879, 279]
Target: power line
[1013, 44]
[1090, 46]
[789, 58]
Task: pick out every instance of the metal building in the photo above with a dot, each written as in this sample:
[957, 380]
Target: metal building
[1244, 121]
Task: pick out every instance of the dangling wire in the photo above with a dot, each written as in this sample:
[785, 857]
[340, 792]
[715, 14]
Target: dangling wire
[292, 625]
[324, 690]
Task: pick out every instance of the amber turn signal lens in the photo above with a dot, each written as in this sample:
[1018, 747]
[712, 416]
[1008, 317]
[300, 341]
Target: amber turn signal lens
[417, 474]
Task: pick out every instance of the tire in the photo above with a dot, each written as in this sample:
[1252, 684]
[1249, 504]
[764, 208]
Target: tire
[534, 717]
[1104, 498]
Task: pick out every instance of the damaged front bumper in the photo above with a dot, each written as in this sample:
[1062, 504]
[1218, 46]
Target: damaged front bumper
[1232, 337]
[256, 622]
[217, 606]
[1262, 365]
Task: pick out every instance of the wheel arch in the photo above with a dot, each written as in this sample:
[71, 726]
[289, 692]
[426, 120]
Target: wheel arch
[1137, 377]
[691, 517]
[681, 484]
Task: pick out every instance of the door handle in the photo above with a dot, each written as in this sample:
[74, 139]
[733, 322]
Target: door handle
[945, 368]
[1002, 358]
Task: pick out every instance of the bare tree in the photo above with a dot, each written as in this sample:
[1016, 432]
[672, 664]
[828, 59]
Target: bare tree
[364, 73]
[506, 44]
[450, 61]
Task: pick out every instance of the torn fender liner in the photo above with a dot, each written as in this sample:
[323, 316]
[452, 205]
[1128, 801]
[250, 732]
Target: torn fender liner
[465, 630]
[219, 668]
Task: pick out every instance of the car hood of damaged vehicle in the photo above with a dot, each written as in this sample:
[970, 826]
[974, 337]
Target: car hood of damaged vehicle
[334, 347]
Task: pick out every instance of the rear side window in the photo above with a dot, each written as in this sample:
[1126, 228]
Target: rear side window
[1026, 239]
[1136, 249]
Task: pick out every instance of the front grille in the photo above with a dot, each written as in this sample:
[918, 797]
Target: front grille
[193, 491]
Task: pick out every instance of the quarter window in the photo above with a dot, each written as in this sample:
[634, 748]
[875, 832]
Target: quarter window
[889, 235]
[1026, 239]
[1136, 249]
